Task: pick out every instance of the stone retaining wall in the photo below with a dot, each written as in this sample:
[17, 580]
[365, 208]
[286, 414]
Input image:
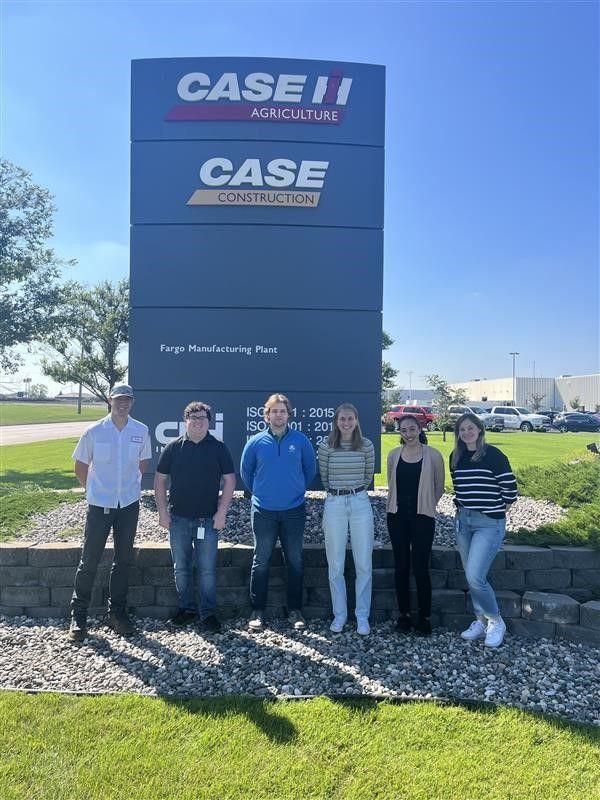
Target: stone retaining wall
[543, 592]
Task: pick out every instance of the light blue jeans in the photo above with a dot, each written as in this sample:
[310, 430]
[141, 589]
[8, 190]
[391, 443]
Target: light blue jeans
[343, 513]
[185, 546]
[478, 539]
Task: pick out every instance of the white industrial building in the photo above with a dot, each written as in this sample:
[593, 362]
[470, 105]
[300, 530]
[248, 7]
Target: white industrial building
[557, 392]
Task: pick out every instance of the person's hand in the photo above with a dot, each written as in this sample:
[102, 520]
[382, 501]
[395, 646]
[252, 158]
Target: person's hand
[219, 520]
[164, 519]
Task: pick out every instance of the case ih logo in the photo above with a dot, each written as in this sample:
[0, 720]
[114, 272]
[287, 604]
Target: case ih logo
[280, 182]
[260, 97]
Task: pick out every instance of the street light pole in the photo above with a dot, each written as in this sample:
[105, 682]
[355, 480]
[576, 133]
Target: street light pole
[514, 391]
[410, 374]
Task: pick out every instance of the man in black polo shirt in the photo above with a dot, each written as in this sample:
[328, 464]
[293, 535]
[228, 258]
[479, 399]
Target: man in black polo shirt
[195, 462]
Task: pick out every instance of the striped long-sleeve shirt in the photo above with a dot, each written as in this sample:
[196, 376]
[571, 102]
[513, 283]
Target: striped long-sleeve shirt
[488, 485]
[346, 468]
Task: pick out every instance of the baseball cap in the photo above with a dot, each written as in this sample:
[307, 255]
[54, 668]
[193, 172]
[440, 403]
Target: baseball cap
[121, 390]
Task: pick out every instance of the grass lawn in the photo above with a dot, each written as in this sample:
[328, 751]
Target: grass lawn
[27, 413]
[30, 474]
[48, 464]
[122, 748]
[521, 449]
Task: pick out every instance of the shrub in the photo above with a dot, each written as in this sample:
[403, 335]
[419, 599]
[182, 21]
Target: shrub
[569, 484]
[580, 527]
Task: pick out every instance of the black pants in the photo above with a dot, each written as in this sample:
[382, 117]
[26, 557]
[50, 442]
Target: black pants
[411, 536]
[123, 521]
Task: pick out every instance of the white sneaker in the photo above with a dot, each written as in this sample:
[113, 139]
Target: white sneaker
[337, 626]
[476, 630]
[496, 629]
[362, 627]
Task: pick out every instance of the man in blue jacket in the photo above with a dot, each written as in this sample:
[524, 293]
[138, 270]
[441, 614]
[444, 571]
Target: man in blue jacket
[277, 466]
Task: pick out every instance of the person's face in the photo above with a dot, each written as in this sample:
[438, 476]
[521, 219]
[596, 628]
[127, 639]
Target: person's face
[346, 422]
[278, 416]
[409, 431]
[196, 424]
[468, 433]
[121, 405]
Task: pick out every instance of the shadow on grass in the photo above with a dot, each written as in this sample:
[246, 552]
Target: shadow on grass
[47, 479]
[264, 713]
[582, 730]
[274, 725]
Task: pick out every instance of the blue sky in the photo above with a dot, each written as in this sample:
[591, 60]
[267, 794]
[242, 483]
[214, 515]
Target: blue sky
[491, 223]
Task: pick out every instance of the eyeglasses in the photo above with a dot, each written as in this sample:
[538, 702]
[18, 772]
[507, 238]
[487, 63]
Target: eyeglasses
[197, 417]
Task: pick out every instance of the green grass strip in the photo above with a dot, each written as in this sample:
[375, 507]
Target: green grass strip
[127, 748]
[32, 413]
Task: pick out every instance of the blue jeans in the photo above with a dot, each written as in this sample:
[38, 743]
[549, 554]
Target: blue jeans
[184, 541]
[267, 527]
[342, 513]
[478, 538]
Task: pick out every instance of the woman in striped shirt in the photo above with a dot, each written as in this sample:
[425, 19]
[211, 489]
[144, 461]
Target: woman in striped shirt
[346, 464]
[485, 486]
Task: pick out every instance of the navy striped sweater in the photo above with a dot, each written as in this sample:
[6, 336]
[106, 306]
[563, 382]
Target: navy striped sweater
[488, 485]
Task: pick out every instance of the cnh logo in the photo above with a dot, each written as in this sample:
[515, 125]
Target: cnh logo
[165, 432]
[278, 173]
[262, 97]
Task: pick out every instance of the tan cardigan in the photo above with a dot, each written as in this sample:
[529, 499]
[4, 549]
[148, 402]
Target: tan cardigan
[431, 482]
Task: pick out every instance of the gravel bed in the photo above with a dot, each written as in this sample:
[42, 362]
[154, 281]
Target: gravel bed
[557, 677]
[66, 522]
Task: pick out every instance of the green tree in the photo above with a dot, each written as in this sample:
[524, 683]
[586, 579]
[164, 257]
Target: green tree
[29, 269]
[39, 391]
[388, 373]
[445, 396]
[575, 403]
[535, 400]
[87, 348]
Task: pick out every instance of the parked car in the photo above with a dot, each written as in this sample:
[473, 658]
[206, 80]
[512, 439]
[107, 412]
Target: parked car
[424, 414]
[519, 418]
[576, 421]
[492, 422]
[546, 412]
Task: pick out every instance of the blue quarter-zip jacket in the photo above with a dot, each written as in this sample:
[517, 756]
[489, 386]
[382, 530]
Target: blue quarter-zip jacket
[278, 471]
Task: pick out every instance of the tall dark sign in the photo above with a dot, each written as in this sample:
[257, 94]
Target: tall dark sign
[256, 241]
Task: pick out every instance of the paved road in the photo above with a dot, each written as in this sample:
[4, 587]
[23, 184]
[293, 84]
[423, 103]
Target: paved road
[22, 434]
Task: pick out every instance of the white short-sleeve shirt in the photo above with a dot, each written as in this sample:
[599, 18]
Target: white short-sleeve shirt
[113, 457]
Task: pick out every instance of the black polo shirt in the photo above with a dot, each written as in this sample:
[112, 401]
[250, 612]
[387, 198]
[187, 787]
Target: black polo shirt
[195, 469]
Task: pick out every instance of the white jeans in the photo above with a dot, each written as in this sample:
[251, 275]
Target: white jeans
[354, 512]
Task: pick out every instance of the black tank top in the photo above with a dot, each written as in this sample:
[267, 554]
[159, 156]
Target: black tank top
[408, 476]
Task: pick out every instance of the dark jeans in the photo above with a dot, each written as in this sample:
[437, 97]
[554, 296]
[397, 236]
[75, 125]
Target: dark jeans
[267, 527]
[123, 521]
[411, 536]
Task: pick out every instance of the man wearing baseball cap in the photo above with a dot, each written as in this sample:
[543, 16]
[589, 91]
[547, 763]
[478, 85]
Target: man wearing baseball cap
[110, 459]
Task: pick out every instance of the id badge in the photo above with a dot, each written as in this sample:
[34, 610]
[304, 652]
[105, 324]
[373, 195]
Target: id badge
[200, 533]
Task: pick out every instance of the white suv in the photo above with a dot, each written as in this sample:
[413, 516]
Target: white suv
[491, 422]
[518, 418]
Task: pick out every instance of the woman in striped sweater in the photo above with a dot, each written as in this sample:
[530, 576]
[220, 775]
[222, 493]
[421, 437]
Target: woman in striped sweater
[346, 464]
[485, 486]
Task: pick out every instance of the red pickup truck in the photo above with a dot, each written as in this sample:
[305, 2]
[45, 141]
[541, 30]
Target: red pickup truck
[424, 414]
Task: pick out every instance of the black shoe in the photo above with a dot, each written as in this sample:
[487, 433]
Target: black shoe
[120, 623]
[423, 626]
[183, 617]
[77, 629]
[403, 624]
[211, 624]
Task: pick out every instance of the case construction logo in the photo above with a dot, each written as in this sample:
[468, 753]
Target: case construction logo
[280, 182]
[261, 97]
